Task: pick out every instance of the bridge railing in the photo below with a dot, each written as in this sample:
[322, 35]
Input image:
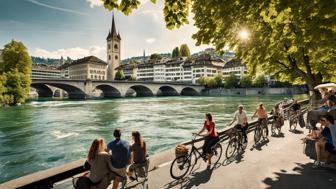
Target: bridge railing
[47, 178]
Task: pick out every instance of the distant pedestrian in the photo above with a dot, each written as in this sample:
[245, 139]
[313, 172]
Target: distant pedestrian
[120, 156]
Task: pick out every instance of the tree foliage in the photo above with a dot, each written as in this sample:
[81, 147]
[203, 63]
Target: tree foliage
[176, 53]
[184, 50]
[119, 75]
[231, 81]
[260, 81]
[293, 40]
[246, 81]
[155, 56]
[15, 74]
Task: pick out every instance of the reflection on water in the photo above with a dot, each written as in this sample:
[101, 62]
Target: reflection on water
[44, 134]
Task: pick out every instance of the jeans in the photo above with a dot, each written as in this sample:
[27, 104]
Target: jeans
[243, 130]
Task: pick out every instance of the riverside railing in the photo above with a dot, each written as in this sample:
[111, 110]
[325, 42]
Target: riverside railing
[47, 178]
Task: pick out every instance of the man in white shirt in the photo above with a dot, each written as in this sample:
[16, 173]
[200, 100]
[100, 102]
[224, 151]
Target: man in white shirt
[240, 116]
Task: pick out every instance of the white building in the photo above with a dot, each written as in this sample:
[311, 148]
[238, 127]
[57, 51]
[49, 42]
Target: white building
[177, 70]
[40, 71]
[234, 66]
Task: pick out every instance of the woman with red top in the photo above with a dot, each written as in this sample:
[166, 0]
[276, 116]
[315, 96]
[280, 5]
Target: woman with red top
[211, 137]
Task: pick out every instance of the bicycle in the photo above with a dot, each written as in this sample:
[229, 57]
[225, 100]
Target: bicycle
[260, 130]
[236, 142]
[293, 120]
[183, 163]
[276, 125]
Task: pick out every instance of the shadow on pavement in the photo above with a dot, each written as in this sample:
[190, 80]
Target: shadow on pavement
[260, 144]
[304, 177]
[296, 131]
[195, 178]
[280, 135]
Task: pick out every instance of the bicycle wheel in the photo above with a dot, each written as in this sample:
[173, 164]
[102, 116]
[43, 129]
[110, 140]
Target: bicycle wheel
[257, 134]
[180, 167]
[273, 128]
[231, 148]
[243, 142]
[264, 131]
[216, 153]
[295, 121]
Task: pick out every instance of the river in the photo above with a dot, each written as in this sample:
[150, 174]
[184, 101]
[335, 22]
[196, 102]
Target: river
[43, 134]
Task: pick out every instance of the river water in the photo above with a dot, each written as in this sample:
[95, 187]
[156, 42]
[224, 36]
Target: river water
[44, 134]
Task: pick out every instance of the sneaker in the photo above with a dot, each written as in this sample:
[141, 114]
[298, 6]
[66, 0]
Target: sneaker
[316, 164]
[322, 164]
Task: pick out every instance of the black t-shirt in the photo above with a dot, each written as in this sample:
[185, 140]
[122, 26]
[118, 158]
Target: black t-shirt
[296, 107]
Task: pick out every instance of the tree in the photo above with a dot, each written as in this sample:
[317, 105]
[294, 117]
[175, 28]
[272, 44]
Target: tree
[15, 74]
[246, 81]
[202, 80]
[184, 50]
[260, 81]
[119, 75]
[155, 56]
[293, 40]
[231, 81]
[176, 53]
[219, 80]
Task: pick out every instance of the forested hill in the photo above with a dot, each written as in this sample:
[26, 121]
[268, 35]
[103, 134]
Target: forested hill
[41, 60]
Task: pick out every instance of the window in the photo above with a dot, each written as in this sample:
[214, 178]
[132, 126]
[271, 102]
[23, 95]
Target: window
[109, 46]
[116, 57]
[109, 57]
[115, 46]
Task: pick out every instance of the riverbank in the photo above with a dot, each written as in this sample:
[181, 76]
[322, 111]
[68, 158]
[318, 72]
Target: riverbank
[255, 91]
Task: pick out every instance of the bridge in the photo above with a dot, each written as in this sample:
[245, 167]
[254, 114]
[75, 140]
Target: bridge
[84, 89]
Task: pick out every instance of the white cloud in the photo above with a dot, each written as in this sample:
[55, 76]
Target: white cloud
[157, 15]
[150, 40]
[74, 53]
[95, 3]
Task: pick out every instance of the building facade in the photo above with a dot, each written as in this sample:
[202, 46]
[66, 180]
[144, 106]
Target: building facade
[174, 70]
[113, 51]
[89, 67]
[234, 66]
[40, 71]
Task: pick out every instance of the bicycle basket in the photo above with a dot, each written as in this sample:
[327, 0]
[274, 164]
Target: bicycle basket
[180, 152]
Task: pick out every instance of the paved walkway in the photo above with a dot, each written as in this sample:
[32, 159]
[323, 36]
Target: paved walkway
[275, 164]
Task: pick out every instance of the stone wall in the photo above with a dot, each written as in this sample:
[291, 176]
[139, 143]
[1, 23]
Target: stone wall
[254, 91]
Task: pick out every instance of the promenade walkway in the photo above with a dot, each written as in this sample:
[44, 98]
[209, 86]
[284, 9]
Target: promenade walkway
[276, 164]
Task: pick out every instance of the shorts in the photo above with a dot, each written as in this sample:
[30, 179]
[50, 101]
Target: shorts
[330, 148]
[119, 171]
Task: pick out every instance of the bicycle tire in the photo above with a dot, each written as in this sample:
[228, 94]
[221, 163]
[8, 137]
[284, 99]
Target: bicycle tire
[185, 165]
[217, 152]
[231, 148]
[257, 134]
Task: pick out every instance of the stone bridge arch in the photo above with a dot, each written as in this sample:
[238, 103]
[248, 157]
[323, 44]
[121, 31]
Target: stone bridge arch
[189, 91]
[167, 90]
[74, 92]
[140, 90]
[109, 91]
[42, 90]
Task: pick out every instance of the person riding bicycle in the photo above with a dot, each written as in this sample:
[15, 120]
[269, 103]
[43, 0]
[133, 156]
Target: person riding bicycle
[240, 116]
[262, 115]
[295, 106]
[211, 137]
[277, 116]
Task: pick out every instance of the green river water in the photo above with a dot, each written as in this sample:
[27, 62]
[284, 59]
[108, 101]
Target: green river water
[43, 134]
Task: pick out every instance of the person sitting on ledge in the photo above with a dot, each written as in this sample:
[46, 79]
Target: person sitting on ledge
[100, 162]
[327, 141]
[139, 152]
[120, 157]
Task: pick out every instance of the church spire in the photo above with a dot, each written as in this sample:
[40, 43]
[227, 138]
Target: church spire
[113, 31]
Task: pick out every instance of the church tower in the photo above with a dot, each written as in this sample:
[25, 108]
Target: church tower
[113, 51]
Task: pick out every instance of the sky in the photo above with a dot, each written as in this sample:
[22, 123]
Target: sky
[78, 28]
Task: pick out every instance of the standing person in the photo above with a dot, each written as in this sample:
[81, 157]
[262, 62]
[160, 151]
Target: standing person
[139, 152]
[211, 136]
[100, 162]
[240, 116]
[120, 156]
[262, 115]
